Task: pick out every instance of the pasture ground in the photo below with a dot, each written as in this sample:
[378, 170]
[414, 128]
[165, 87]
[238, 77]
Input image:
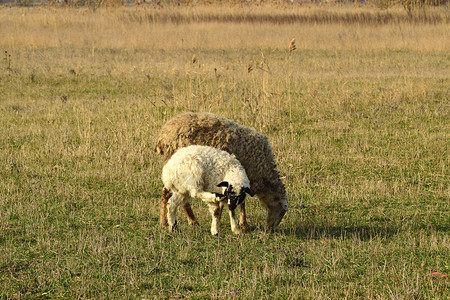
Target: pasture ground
[358, 117]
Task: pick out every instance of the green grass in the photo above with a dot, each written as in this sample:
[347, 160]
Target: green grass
[366, 152]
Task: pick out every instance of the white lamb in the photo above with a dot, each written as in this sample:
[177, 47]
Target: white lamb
[213, 175]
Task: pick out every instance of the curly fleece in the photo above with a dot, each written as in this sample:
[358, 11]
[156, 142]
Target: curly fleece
[202, 168]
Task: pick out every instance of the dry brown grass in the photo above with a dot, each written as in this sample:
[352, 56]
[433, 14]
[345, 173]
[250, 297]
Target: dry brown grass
[206, 27]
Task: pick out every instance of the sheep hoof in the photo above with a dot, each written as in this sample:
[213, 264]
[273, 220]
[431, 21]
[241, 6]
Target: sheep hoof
[174, 227]
[193, 223]
[244, 227]
[237, 231]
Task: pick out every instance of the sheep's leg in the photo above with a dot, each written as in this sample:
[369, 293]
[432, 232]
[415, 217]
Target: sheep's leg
[190, 214]
[216, 211]
[243, 219]
[176, 200]
[234, 226]
[208, 197]
[215, 208]
[166, 194]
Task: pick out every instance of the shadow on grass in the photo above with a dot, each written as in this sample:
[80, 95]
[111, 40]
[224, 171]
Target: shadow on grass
[361, 232]
[341, 232]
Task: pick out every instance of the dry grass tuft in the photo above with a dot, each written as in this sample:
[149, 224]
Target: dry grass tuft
[292, 46]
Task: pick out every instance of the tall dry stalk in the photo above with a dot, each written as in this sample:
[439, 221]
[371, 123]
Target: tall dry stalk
[265, 87]
[292, 48]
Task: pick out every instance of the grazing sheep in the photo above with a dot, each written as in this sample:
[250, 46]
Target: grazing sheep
[250, 147]
[213, 175]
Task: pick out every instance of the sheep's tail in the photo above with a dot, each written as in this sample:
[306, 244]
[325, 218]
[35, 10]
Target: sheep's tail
[165, 149]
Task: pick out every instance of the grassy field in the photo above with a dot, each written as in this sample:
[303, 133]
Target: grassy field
[358, 117]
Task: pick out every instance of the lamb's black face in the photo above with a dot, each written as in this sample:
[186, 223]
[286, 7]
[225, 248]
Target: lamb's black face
[231, 196]
[235, 199]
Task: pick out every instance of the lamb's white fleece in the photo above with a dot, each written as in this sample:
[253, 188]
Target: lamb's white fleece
[194, 172]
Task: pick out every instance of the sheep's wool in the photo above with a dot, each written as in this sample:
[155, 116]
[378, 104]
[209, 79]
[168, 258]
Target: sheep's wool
[201, 167]
[195, 172]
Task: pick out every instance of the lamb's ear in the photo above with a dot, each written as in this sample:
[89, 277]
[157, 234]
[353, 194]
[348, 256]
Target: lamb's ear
[223, 183]
[249, 191]
[220, 196]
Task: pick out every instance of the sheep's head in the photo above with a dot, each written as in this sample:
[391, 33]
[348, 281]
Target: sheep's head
[276, 208]
[233, 198]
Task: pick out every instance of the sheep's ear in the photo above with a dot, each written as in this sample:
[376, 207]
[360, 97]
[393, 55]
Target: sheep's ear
[285, 205]
[220, 196]
[223, 183]
[249, 191]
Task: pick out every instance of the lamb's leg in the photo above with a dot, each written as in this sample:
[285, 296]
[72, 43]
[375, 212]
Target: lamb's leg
[166, 194]
[176, 200]
[233, 222]
[216, 211]
[208, 197]
[215, 208]
[243, 219]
